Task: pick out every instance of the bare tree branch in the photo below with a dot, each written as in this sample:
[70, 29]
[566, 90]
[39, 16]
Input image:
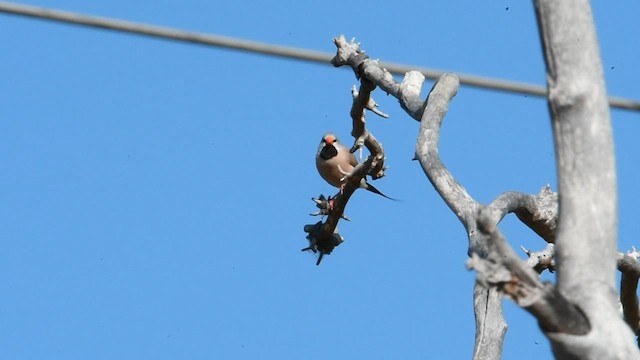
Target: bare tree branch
[541, 260]
[556, 314]
[538, 212]
[583, 137]
[453, 194]
[323, 237]
[630, 269]
[587, 232]
[350, 54]
[490, 325]
[372, 105]
[628, 266]
[505, 270]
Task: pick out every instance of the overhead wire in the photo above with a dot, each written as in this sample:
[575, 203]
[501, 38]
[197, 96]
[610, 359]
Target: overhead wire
[271, 49]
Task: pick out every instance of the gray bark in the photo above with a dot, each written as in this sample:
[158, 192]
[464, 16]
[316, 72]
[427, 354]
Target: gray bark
[587, 225]
[487, 302]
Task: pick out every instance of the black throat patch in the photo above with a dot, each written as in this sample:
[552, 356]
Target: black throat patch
[328, 151]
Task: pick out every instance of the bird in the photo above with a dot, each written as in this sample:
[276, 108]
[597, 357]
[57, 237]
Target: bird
[334, 160]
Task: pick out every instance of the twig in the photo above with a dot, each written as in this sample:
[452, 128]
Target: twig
[538, 212]
[630, 269]
[541, 260]
[372, 105]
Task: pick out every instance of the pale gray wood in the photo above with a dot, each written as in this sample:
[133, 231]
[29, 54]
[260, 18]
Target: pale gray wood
[587, 224]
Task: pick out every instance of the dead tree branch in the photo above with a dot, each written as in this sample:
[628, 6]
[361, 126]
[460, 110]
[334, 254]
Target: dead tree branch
[538, 212]
[490, 325]
[372, 105]
[452, 192]
[587, 221]
[506, 271]
[323, 237]
[541, 260]
[630, 269]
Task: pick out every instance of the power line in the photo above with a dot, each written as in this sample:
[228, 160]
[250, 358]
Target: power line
[269, 49]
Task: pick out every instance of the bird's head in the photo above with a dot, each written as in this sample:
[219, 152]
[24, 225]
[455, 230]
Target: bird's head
[327, 148]
[329, 138]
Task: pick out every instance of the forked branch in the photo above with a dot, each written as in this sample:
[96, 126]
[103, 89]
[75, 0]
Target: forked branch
[506, 271]
[322, 236]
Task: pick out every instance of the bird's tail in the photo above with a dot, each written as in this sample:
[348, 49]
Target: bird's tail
[376, 191]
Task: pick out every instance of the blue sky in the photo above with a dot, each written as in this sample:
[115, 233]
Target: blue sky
[154, 193]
